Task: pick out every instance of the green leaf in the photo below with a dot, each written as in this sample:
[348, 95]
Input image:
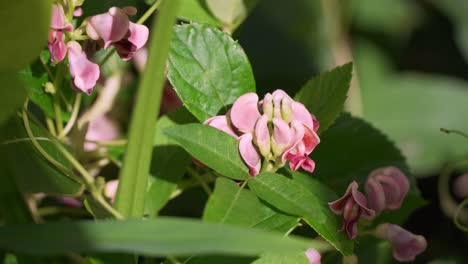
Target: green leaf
[212, 147]
[230, 12]
[295, 198]
[12, 95]
[168, 164]
[34, 82]
[133, 178]
[94, 208]
[350, 150]
[325, 94]
[230, 205]
[162, 236]
[193, 11]
[208, 69]
[25, 25]
[275, 258]
[31, 171]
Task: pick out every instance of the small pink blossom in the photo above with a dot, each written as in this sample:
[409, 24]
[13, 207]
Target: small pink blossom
[84, 73]
[273, 131]
[56, 43]
[114, 28]
[100, 129]
[313, 256]
[110, 190]
[352, 205]
[386, 188]
[406, 245]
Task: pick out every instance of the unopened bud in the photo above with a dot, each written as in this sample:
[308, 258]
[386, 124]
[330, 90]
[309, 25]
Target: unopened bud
[286, 109]
[268, 106]
[49, 88]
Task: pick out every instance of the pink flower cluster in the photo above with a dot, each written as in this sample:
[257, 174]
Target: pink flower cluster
[271, 131]
[386, 189]
[111, 28]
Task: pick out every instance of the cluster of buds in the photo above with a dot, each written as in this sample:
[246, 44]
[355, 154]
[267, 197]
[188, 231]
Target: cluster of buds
[386, 189]
[111, 28]
[271, 132]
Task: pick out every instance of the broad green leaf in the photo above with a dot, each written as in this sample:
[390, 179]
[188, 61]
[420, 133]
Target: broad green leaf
[168, 163]
[230, 12]
[208, 69]
[162, 236]
[230, 205]
[32, 172]
[295, 198]
[193, 11]
[275, 258]
[25, 25]
[350, 150]
[133, 177]
[212, 147]
[324, 95]
[12, 95]
[420, 105]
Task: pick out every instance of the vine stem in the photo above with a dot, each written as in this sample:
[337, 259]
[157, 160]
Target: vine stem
[73, 117]
[454, 131]
[447, 203]
[458, 212]
[200, 180]
[88, 179]
[234, 200]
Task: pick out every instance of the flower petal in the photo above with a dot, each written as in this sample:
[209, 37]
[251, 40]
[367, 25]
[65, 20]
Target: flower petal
[376, 195]
[282, 136]
[110, 27]
[300, 113]
[84, 72]
[313, 256]
[406, 245]
[221, 123]
[249, 154]
[244, 112]
[57, 47]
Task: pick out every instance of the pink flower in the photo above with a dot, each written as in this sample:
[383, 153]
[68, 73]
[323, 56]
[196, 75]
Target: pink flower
[274, 130]
[84, 73]
[114, 28]
[56, 44]
[110, 190]
[352, 205]
[460, 186]
[386, 188]
[406, 245]
[100, 129]
[313, 256]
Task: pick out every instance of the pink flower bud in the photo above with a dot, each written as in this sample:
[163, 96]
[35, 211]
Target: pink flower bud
[386, 188]
[313, 256]
[460, 186]
[110, 190]
[282, 136]
[267, 106]
[406, 245]
[84, 73]
[249, 154]
[262, 136]
[352, 205]
[56, 45]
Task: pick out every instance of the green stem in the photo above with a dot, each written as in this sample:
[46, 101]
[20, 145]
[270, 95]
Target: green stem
[200, 180]
[73, 117]
[130, 200]
[149, 12]
[141, 20]
[38, 146]
[458, 212]
[447, 203]
[50, 126]
[458, 132]
[56, 100]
